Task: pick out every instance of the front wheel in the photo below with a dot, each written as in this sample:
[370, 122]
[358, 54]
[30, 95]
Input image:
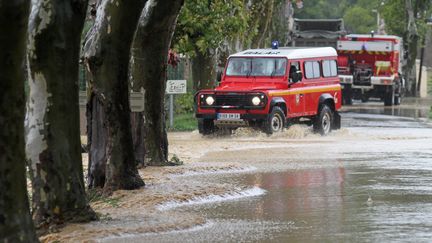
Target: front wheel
[389, 97]
[275, 122]
[206, 126]
[323, 121]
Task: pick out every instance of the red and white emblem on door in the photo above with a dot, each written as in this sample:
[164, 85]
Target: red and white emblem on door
[297, 99]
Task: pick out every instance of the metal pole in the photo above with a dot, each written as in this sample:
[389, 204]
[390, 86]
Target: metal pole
[171, 110]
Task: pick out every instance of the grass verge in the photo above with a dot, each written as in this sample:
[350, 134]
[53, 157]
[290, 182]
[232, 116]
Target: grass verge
[184, 122]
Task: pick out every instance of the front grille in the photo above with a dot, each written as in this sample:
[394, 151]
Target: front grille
[233, 100]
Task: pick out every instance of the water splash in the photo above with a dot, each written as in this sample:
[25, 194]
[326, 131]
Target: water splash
[252, 192]
[217, 171]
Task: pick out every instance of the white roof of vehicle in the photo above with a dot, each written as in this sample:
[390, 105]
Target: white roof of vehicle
[392, 37]
[290, 53]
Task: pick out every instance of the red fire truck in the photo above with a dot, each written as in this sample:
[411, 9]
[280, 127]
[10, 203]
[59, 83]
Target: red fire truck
[371, 66]
[272, 88]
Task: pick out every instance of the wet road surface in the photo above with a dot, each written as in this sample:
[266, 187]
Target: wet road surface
[368, 182]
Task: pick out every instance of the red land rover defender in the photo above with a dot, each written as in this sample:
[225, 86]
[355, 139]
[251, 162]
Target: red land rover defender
[270, 89]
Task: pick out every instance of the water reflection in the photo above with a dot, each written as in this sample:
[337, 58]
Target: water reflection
[410, 107]
[299, 192]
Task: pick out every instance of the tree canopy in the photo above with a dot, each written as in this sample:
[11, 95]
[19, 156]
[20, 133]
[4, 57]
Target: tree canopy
[207, 24]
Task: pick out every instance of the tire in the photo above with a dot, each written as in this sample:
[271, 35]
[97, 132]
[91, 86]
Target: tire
[398, 93]
[324, 120]
[275, 122]
[206, 126]
[389, 97]
[347, 96]
[397, 100]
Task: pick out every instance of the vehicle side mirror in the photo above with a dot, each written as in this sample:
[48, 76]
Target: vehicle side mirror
[297, 76]
[218, 76]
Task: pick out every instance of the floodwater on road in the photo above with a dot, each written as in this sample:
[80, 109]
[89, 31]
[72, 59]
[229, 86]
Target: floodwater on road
[371, 181]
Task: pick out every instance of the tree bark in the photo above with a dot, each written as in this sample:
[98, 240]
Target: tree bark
[412, 41]
[107, 52]
[15, 221]
[138, 137]
[204, 70]
[149, 70]
[53, 143]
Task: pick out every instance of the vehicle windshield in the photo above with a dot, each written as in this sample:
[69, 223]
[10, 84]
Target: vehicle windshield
[239, 66]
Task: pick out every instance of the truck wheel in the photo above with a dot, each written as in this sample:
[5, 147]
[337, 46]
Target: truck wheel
[389, 97]
[275, 122]
[398, 93]
[206, 126]
[323, 121]
[347, 96]
[397, 100]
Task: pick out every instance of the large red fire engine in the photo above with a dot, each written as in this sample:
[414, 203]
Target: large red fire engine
[371, 66]
[272, 88]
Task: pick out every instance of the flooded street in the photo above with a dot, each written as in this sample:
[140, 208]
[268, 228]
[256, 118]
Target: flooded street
[369, 182]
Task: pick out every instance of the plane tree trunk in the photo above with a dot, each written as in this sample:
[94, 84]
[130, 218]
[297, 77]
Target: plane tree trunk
[149, 70]
[106, 53]
[53, 143]
[412, 42]
[15, 221]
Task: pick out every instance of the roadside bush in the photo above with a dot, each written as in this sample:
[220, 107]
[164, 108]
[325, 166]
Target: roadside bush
[184, 104]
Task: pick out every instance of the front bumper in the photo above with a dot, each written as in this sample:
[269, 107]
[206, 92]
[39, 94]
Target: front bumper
[347, 81]
[246, 116]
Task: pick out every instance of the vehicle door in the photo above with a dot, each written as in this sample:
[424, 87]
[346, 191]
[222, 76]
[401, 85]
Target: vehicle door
[296, 96]
[312, 85]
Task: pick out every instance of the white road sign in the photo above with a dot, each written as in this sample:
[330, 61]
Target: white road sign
[176, 87]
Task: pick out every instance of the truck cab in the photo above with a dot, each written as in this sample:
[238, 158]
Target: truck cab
[269, 89]
[370, 66]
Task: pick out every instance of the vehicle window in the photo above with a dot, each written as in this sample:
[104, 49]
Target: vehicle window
[238, 67]
[294, 67]
[281, 64]
[312, 70]
[316, 69]
[329, 68]
[256, 66]
[333, 68]
[308, 70]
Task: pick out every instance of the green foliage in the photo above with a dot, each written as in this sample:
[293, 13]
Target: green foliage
[394, 16]
[204, 25]
[184, 103]
[358, 15]
[359, 20]
[396, 19]
[323, 9]
[185, 122]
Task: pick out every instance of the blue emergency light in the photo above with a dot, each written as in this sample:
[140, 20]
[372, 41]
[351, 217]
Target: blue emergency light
[275, 44]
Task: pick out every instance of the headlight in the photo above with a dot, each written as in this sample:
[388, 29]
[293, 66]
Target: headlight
[256, 100]
[209, 100]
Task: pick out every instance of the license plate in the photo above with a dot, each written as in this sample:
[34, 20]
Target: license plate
[228, 116]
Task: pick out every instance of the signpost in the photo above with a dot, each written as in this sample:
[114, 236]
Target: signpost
[174, 87]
